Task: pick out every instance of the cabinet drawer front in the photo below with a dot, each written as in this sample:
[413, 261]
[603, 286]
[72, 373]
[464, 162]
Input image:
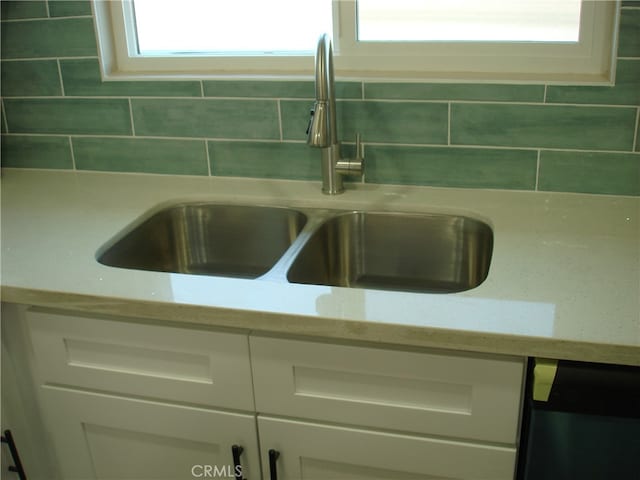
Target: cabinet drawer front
[320, 452]
[101, 436]
[152, 361]
[430, 393]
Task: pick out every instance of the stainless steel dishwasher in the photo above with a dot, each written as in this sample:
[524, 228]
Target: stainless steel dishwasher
[581, 421]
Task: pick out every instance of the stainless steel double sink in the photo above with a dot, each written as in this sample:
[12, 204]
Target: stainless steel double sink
[430, 253]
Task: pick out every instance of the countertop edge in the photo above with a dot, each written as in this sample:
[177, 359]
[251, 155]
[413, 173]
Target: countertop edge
[326, 328]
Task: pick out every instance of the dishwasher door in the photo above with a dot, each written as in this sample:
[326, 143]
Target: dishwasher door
[581, 421]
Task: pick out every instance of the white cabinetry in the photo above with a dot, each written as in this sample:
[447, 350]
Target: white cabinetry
[429, 393]
[315, 451]
[20, 410]
[125, 398]
[142, 359]
[400, 414]
[110, 437]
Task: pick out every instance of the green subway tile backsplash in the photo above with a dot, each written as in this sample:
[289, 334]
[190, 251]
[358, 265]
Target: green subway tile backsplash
[177, 157]
[275, 89]
[590, 172]
[543, 126]
[295, 118]
[249, 119]
[345, 90]
[40, 151]
[626, 91]
[82, 78]
[555, 137]
[69, 8]
[64, 37]
[256, 88]
[12, 10]
[452, 167]
[389, 122]
[394, 122]
[23, 78]
[629, 43]
[295, 161]
[68, 115]
[454, 91]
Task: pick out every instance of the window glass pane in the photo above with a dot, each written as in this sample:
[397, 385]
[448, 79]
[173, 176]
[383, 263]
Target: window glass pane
[231, 27]
[469, 20]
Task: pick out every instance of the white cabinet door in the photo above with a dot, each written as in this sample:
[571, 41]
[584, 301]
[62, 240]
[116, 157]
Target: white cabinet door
[19, 405]
[141, 359]
[322, 452]
[103, 437]
[431, 393]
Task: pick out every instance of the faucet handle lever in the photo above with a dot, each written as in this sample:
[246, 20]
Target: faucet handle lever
[311, 113]
[354, 166]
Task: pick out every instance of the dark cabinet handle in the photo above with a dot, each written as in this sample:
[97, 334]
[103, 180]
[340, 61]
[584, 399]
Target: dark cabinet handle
[273, 468]
[17, 464]
[236, 451]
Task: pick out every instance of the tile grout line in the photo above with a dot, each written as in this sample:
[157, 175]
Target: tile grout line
[487, 102]
[449, 125]
[60, 78]
[532, 148]
[302, 141]
[206, 149]
[73, 154]
[539, 104]
[133, 126]
[44, 59]
[154, 137]
[277, 99]
[4, 116]
[363, 176]
[537, 170]
[498, 147]
[635, 146]
[165, 98]
[280, 129]
[44, 19]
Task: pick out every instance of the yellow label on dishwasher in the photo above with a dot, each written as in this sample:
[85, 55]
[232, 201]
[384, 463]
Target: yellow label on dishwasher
[544, 373]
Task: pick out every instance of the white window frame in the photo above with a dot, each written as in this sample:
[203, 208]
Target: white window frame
[589, 61]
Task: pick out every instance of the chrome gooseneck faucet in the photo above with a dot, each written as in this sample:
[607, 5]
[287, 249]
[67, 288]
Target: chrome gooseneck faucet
[322, 131]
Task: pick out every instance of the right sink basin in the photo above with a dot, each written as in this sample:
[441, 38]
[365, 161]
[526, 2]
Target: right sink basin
[396, 251]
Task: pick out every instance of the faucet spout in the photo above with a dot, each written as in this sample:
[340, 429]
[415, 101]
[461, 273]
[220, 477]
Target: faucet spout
[324, 68]
[322, 131]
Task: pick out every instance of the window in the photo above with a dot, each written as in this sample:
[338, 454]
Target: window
[207, 27]
[512, 40]
[469, 20]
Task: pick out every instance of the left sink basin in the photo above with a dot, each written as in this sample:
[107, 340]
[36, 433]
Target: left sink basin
[206, 239]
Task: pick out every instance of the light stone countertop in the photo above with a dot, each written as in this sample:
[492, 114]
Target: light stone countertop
[564, 280]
